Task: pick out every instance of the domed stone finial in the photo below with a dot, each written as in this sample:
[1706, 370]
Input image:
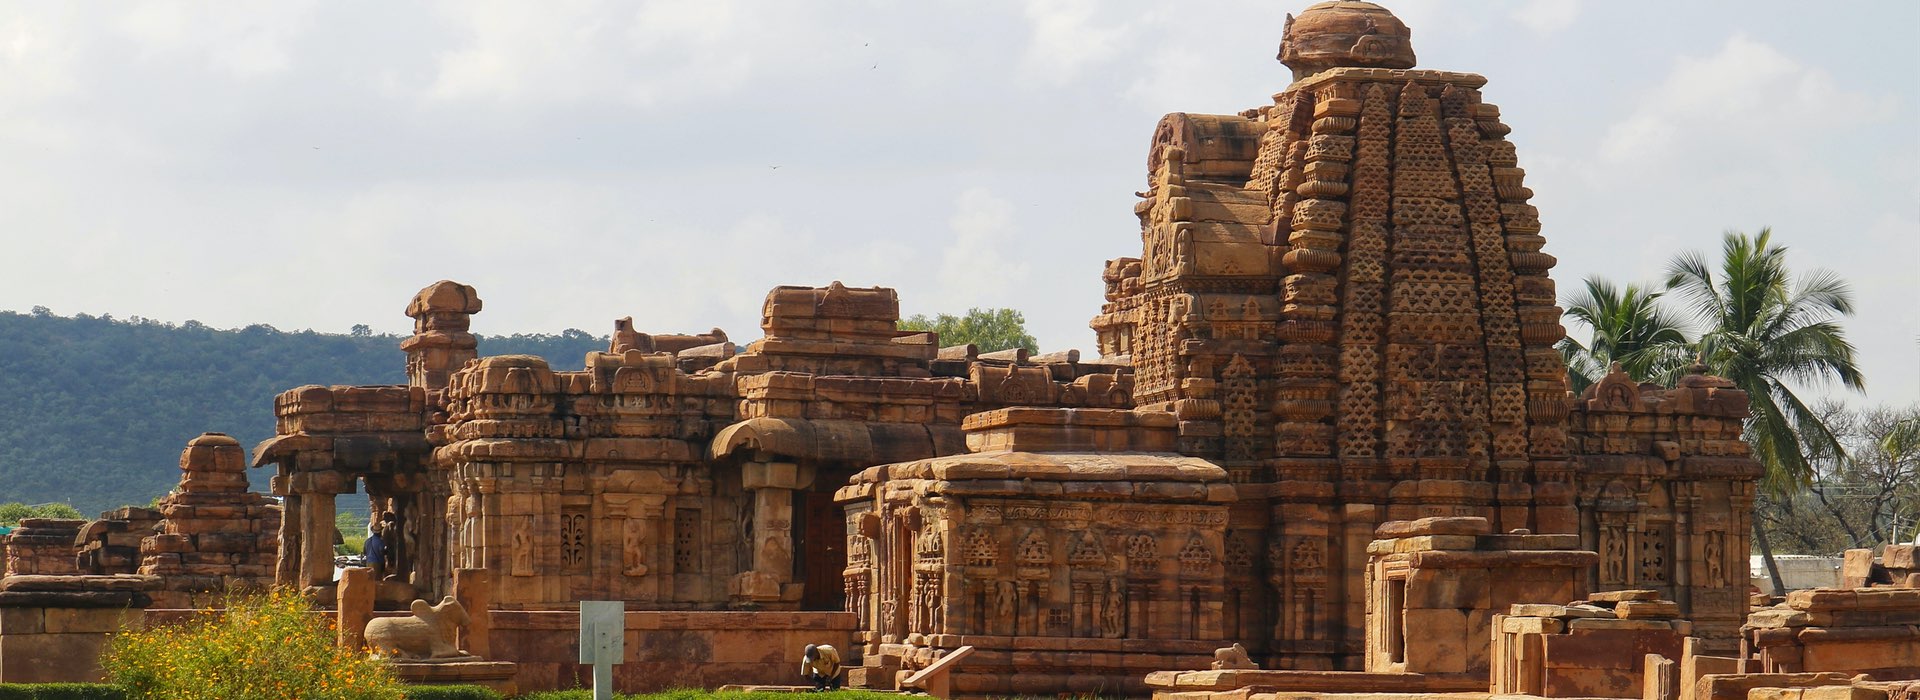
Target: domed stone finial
[1345, 33]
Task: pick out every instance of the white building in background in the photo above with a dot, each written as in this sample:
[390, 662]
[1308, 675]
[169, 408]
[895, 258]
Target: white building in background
[1797, 571]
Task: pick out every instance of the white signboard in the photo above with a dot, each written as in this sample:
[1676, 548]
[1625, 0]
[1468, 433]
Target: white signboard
[603, 637]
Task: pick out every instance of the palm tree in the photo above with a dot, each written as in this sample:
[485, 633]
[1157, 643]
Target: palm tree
[1630, 328]
[1762, 329]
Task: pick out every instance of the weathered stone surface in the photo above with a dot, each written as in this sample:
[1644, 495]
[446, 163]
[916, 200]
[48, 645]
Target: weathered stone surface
[1618, 596]
[213, 534]
[1647, 609]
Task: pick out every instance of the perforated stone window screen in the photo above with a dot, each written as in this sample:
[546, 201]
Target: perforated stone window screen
[686, 539]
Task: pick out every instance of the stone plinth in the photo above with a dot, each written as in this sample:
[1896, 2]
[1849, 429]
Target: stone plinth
[42, 546]
[53, 628]
[497, 675]
[214, 534]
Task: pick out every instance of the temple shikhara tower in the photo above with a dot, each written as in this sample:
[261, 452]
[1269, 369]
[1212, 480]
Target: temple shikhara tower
[1344, 299]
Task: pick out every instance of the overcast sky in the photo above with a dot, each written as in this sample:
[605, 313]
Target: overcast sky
[312, 164]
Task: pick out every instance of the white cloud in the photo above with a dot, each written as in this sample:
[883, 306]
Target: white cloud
[1069, 38]
[245, 41]
[976, 269]
[593, 49]
[1547, 16]
[1747, 97]
[37, 53]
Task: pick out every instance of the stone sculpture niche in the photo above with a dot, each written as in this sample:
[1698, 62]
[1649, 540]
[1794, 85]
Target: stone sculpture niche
[427, 636]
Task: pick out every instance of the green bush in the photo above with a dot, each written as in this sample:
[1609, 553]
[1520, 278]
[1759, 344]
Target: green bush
[451, 692]
[263, 646]
[60, 691]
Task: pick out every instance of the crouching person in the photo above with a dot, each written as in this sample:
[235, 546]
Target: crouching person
[820, 664]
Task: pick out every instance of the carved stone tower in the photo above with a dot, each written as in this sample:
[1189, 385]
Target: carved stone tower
[440, 344]
[1342, 296]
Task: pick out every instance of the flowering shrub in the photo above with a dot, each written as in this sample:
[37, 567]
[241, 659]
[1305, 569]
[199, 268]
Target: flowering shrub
[265, 646]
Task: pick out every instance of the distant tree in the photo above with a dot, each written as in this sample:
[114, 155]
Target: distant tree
[96, 410]
[12, 513]
[1866, 496]
[353, 531]
[987, 329]
[1629, 327]
[361, 330]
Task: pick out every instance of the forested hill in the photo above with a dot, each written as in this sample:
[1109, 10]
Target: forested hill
[94, 411]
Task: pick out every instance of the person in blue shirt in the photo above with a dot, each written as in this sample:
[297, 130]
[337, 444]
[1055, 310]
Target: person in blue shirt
[374, 552]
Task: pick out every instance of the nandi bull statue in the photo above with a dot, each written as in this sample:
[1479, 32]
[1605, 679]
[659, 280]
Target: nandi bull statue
[427, 636]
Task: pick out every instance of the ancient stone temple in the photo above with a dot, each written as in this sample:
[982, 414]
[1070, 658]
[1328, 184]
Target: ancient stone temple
[1340, 317]
[1344, 299]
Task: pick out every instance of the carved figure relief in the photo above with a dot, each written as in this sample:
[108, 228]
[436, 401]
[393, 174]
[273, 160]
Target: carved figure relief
[1715, 556]
[633, 547]
[1113, 611]
[523, 547]
[1005, 598]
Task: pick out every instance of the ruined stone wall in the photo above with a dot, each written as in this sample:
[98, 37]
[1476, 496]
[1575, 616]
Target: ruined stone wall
[42, 546]
[111, 545]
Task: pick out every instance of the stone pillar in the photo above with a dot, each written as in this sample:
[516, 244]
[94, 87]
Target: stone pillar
[473, 588]
[770, 577]
[354, 606]
[440, 344]
[316, 546]
[286, 567]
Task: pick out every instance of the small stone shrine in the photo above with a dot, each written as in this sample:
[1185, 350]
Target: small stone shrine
[1062, 533]
[214, 534]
